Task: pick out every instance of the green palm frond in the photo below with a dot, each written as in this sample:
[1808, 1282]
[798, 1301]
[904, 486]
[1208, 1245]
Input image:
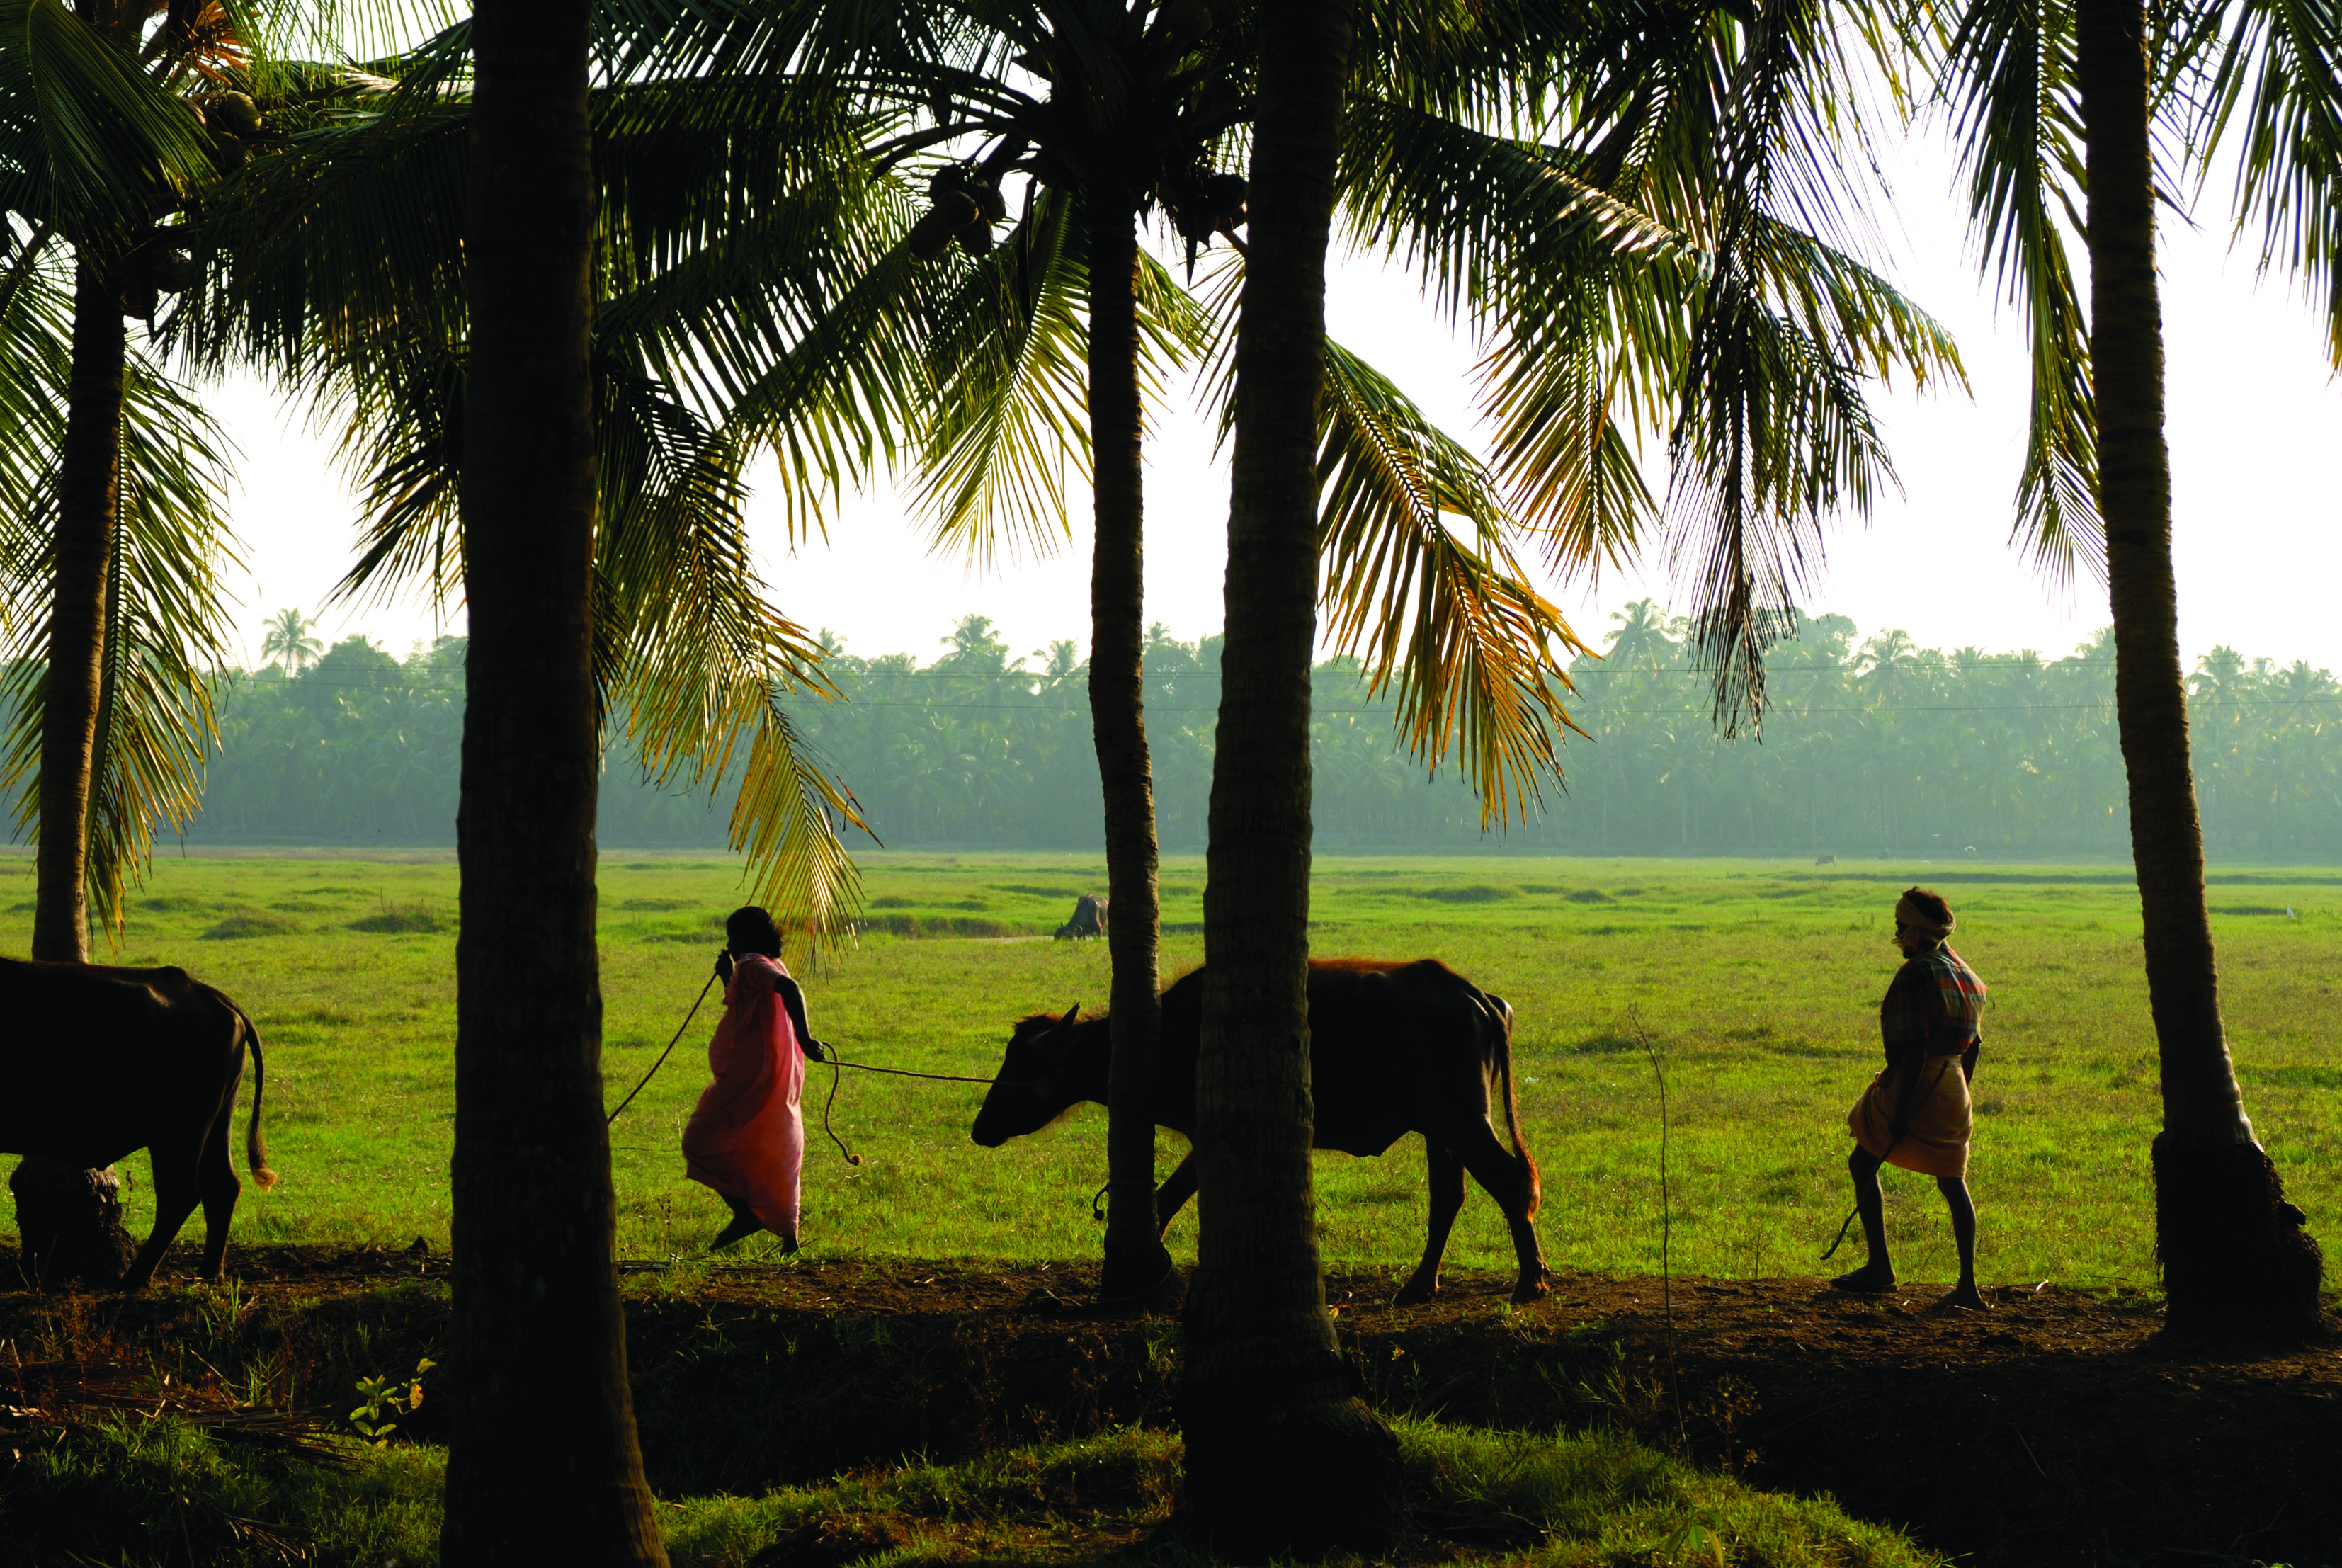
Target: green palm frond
[693, 659]
[166, 635]
[349, 238]
[1008, 413]
[86, 137]
[1479, 658]
[35, 365]
[1774, 435]
[2278, 76]
[2004, 69]
[1488, 222]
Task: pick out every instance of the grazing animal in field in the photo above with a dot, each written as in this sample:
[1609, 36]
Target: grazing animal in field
[101, 1062]
[1089, 918]
[1394, 1048]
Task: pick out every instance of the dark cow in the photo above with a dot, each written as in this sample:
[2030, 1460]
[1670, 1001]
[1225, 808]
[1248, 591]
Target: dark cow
[1089, 918]
[102, 1061]
[1394, 1048]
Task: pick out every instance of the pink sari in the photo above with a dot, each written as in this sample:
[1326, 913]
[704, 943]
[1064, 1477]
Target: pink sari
[747, 1139]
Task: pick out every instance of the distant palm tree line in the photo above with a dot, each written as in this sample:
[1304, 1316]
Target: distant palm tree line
[1872, 745]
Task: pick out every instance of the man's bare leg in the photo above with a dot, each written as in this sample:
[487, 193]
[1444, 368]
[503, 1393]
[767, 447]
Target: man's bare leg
[1878, 1273]
[1962, 1207]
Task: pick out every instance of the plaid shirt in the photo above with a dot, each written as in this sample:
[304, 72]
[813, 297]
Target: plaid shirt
[1933, 1007]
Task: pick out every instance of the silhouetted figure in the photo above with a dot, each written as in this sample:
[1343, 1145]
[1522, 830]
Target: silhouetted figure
[1916, 1113]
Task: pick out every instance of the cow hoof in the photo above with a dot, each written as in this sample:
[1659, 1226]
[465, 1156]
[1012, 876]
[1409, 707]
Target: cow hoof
[1412, 1294]
[1528, 1291]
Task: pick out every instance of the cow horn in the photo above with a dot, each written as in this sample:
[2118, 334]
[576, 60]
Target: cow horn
[1071, 1013]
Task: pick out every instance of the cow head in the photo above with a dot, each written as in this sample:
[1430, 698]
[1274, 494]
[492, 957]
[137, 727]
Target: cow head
[1041, 1078]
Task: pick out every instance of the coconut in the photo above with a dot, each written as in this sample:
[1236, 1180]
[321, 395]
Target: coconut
[932, 234]
[233, 114]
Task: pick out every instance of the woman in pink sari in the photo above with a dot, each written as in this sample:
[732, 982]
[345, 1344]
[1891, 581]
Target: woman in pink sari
[747, 1139]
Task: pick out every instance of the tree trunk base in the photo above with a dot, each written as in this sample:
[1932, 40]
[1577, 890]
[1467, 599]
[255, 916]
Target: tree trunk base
[2236, 1259]
[1275, 1479]
[69, 1225]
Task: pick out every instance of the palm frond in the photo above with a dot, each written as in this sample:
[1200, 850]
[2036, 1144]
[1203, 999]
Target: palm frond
[1007, 362]
[693, 660]
[2277, 77]
[2005, 72]
[1478, 656]
[86, 137]
[166, 635]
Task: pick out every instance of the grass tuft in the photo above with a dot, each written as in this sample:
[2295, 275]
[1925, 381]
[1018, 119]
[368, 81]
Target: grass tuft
[395, 921]
[244, 924]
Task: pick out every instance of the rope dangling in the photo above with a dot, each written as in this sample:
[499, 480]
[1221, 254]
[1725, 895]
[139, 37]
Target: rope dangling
[665, 1054]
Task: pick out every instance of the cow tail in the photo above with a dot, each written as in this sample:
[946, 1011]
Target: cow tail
[1532, 1184]
[256, 1151]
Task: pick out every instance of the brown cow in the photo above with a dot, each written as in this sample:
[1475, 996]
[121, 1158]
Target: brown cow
[1394, 1048]
[101, 1062]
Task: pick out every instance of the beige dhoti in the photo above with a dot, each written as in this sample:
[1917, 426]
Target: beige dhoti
[1937, 1143]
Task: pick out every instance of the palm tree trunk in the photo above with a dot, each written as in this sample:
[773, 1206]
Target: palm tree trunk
[88, 499]
[2233, 1251]
[1135, 1265]
[543, 1463]
[89, 503]
[1282, 1454]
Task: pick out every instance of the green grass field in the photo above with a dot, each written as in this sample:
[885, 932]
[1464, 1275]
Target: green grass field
[1758, 981]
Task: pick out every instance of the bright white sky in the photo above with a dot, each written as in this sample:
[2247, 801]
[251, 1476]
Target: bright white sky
[2253, 419]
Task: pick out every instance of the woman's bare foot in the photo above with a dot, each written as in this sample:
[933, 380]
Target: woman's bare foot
[1966, 1297]
[744, 1224]
[1869, 1279]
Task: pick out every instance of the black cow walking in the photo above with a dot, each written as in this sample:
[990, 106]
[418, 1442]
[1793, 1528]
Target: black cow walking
[1394, 1048]
[100, 1062]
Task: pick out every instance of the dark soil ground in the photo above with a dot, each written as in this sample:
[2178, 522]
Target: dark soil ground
[2060, 1427]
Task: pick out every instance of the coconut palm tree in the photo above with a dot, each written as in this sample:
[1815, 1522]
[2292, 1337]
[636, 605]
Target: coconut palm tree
[697, 299]
[544, 1409]
[288, 641]
[1283, 1456]
[99, 155]
[2056, 110]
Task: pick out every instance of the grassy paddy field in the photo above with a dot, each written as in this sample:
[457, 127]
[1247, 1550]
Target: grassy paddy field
[1757, 981]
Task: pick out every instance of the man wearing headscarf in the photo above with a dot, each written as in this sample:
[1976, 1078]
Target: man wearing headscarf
[1916, 1113]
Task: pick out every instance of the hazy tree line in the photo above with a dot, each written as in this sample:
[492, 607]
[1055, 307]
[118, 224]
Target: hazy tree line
[1871, 744]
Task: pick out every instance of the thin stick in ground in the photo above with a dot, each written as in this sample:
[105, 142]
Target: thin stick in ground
[1666, 1225]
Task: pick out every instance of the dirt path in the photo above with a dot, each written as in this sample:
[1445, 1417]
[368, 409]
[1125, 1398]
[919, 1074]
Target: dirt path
[2053, 1429]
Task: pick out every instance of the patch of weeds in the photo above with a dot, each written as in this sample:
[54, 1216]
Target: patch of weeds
[396, 920]
[1589, 896]
[1604, 1044]
[244, 924]
[138, 1491]
[1478, 893]
[934, 925]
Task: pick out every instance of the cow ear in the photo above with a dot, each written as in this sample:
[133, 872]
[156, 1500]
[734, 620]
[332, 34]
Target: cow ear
[1071, 1013]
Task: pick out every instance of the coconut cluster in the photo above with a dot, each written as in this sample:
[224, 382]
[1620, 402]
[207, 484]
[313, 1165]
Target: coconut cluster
[962, 206]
